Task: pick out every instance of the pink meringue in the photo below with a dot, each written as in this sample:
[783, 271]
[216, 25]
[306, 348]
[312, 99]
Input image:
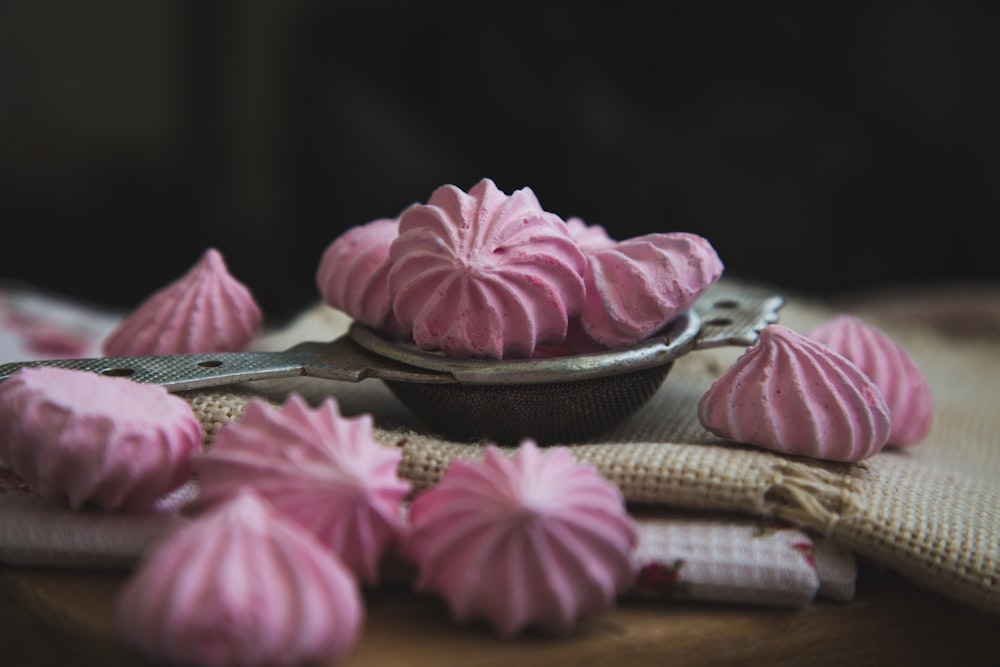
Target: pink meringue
[485, 274]
[353, 275]
[206, 310]
[322, 470]
[589, 237]
[240, 586]
[535, 540]
[93, 439]
[888, 365]
[795, 395]
[635, 287]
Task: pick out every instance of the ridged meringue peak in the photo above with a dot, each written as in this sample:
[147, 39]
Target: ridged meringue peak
[590, 237]
[205, 310]
[323, 470]
[889, 365]
[794, 395]
[485, 274]
[635, 287]
[353, 275]
[91, 439]
[534, 539]
[240, 586]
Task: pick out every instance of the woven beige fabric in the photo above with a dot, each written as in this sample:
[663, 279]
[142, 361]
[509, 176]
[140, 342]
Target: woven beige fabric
[931, 512]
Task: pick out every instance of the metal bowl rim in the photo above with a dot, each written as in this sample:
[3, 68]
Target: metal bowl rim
[673, 341]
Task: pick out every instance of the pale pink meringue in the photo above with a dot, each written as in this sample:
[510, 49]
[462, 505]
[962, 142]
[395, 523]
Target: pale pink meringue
[353, 275]
[90, 439]
[795, 395]
[240, 585]
[323, 470]
[635, 287]
[485, 274]
[589, 237]
[534, 540]
[885, 361]
[205, 310]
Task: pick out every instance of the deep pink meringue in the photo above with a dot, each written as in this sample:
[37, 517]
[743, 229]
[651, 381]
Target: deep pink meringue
[240, 585]
[891, 368]
[635, 287]
[93, 439]
[353, 275]
[534, 540]
[485, 274]
[322, 470]
[795, 395]
[205, 310]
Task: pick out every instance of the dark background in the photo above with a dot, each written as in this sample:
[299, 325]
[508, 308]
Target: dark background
[823, 147]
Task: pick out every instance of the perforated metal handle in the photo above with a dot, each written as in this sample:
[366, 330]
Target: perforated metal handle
[735, 316]
[341, 359]
[727, 317]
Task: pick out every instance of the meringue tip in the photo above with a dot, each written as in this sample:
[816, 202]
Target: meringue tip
[205, 310]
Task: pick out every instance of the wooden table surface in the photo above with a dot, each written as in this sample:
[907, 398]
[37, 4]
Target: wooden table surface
[63, 617]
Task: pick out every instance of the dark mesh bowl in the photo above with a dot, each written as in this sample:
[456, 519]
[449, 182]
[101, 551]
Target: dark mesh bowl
[549, 413]
[551, 400]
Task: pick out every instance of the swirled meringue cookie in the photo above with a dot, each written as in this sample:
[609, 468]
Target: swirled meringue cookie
[589, 237]
[240, 586]
[891, 368]
[484, 274]
[794, 395]
[205, 310]
[322, 470]
[635, 287]
[353, 275]
[534, 540]
[90, 439]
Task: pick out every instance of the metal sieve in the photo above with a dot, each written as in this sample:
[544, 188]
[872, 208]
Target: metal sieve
[558, 399]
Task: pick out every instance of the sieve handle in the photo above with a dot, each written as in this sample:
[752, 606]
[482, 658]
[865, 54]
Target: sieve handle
[341, 359]
[729, 316]
[733, 316]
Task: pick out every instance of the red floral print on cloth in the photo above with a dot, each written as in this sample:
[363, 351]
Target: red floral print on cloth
[807, 550]
[661, 579]
[773, 526]
[725, 560]
[11, 481]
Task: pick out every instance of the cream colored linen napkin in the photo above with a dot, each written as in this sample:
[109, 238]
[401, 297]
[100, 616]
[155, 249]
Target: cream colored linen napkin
[931, 511]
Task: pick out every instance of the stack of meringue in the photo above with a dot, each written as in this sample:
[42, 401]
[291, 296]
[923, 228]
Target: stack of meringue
[486, 274]
[320, 469]
[296, 509]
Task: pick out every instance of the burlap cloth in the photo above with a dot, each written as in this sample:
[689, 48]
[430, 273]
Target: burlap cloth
[931, 512]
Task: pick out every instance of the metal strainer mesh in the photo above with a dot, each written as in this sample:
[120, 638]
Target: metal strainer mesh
[548, 413]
